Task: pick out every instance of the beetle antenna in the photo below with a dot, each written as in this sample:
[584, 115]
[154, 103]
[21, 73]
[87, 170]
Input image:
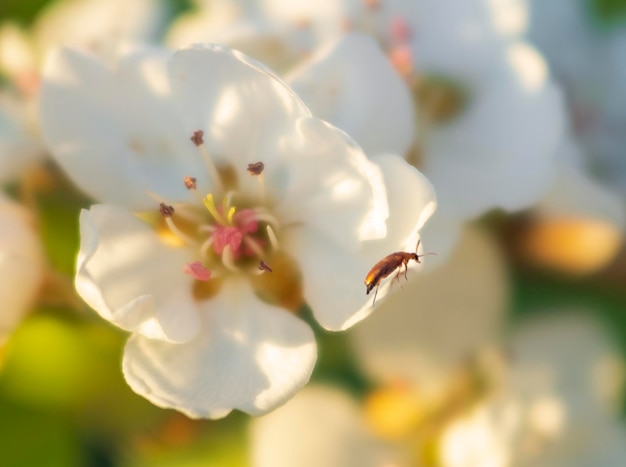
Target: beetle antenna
[423, 254]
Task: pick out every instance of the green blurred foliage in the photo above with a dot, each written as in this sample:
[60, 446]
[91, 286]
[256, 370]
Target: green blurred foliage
[31, 437]
[608, 12]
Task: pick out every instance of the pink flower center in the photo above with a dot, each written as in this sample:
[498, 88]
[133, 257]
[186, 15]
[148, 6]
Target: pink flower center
[238, 235]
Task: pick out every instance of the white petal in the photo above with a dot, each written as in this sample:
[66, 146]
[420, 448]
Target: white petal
[250, 356]
[132, 279]
[113, 131]
[241, 106]
[351, 84]
[333, 275]
[335, 434]
[425, 330]
[329, 185]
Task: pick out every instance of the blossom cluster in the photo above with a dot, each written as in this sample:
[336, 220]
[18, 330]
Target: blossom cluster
[243, 178]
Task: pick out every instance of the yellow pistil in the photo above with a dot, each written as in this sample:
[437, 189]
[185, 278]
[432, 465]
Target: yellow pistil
[231, 214]
[209, 203]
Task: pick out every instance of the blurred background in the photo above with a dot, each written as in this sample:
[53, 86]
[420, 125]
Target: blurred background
[508, 352]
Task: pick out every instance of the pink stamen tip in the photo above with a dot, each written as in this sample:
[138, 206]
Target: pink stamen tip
[402, 59]
[400, 30]
[227, 236]
[197, 270]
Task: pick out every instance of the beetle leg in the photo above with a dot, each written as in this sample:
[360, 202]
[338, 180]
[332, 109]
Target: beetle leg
[406, 269]
[375, 293]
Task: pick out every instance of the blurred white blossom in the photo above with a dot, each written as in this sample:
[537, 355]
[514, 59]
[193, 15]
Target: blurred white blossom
[553, 402]
[587, 54]
[557, 403]
[21, 264]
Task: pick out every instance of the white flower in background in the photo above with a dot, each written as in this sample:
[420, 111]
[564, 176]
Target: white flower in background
[265, 208]
[557, 404]
[591, 70]
[335, 434]
[21, 264]
[101, 26]
[553, 403]
[96, 25]
[20, 146]
[579, 226]
[488, 118]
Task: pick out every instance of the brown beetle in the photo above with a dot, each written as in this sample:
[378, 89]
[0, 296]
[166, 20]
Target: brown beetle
[389, 264]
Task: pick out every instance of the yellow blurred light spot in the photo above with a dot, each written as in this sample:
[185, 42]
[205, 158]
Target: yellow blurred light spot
[394, 412]
[573, 246]
[547, 416]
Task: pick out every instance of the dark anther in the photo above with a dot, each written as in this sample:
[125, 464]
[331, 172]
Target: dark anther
[256, 168]
[263, 266]
[190, 183]
[197, 137]
[166, 210]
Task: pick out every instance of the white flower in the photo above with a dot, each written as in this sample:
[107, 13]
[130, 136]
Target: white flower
[21, 264]
[201, 285]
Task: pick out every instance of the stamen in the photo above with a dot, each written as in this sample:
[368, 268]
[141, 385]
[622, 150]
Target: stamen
[272, 236]
[229, 197]
[254, 246]
[228, 260]
[264, 216]
[207, 228]
[209, 203]
[179, 233]
[166, 210]
[198, 140]
[231, 213]
[256, 168]
[263, 266]
[190, 183]
[197, 270]
[204, 249]
[372, 4]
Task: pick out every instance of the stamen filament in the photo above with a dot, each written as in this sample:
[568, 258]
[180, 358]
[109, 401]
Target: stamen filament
[254, 246]
[211, 167]
[231, 213]
[179, 233]
[204, 249]
[261, 186]
[272, 236]
[209, 202]
[264, 216]
[228, 260]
